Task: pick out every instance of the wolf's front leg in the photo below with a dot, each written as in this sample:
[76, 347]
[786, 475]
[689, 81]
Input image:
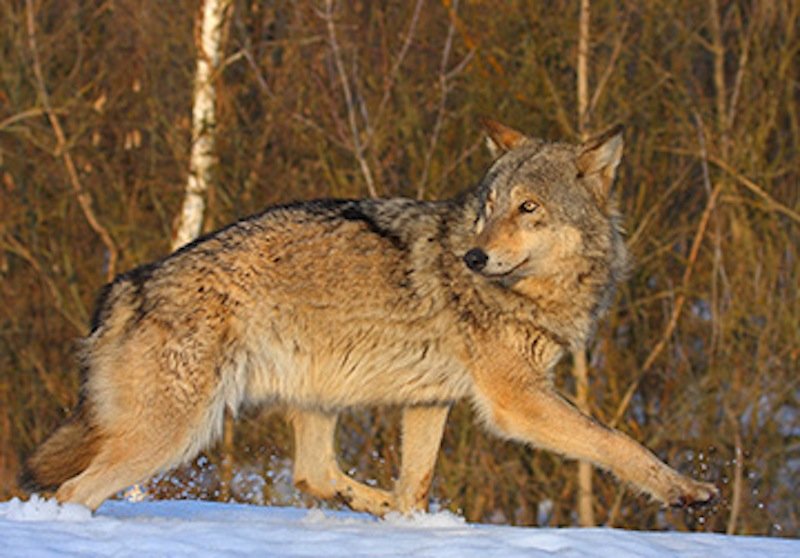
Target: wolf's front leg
[527, 409]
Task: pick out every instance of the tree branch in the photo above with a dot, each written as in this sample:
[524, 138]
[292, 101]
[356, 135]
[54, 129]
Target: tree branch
[583, 67]
[697, 242]
[390, 80]
[444, 88]
[580, 370]
[358, 147]
[62, 149]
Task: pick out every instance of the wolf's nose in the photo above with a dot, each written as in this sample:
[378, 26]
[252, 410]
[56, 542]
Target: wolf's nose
[476, 259]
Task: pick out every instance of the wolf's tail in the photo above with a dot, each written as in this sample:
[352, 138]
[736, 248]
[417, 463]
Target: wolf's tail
[66, 453]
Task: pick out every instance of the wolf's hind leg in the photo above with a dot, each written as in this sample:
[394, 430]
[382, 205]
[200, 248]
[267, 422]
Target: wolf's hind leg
[423, 427]
[316, 469]
[121, 461]
[136, 441]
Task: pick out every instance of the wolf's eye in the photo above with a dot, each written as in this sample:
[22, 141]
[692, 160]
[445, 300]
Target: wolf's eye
[528, 206]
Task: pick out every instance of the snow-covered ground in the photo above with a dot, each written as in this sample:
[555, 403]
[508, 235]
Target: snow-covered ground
[41, 528]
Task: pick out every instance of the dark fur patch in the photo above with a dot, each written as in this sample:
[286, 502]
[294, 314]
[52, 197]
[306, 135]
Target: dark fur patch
[101, 308]
[355, 213]
[323, 206]
[348, 209]
[138, 278]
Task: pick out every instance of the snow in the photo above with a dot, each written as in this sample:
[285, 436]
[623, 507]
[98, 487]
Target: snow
[43, 528]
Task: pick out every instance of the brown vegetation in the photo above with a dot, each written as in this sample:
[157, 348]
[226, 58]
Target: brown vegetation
[699, 357]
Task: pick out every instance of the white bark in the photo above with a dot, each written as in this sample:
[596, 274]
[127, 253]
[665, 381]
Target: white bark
[202, 157]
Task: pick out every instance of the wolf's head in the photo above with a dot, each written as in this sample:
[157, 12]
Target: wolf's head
[546, 211]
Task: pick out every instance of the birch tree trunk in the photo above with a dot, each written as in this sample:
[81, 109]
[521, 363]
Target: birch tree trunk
[202, 159]
[213, 17]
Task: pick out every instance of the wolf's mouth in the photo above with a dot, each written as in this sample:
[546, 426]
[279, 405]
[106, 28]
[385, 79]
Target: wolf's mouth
[508, 273]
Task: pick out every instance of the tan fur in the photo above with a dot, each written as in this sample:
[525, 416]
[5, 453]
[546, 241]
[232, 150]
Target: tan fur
[67, 452]
[326, 305]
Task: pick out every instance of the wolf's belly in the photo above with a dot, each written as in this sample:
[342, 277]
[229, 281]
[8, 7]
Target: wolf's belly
[365, 367]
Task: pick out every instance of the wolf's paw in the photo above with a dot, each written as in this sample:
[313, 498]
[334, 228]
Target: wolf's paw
[694, 494]
[378, 506]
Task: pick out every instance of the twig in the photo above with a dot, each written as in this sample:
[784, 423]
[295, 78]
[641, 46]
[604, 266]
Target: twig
[718, 50]
[744, 57]
[607, 72]
[444, 90]
[62, 149]
[265, 89]
[15, 246]
[465, 153]
[772, 203]
[613, 514]
[580, 371]
[738, 478]
[701, 140]
[389, 83]
[472, 44]
[755, 188]
[13, 119]
[679, 300]
[561, 113]
[583, 67]
[635, 237]
[358, 147]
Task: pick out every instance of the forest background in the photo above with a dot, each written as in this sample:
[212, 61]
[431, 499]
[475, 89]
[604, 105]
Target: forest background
[698, 358]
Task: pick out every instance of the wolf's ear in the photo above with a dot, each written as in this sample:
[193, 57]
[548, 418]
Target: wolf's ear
[499, 138]
[599, 158]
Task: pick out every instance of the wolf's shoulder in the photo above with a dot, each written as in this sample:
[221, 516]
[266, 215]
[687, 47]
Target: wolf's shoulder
[383, 209]
[399, 220]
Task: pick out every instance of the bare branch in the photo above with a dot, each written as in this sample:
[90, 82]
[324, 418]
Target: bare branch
[702, 226]
[458, 161]
[444, 89]
[62, 149]
[561, 113]
[358, 147]
[13, 119]
[718, 49]
[608, 71]
[771, 202]
[16, 247]
[583, 68]
[744, 57]
[390, 81]
[738, 478]
[580, 371]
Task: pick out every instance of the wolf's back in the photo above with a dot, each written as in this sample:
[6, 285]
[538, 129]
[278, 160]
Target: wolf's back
[65, 454]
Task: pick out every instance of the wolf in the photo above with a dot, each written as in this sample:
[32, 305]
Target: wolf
[326, 305]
